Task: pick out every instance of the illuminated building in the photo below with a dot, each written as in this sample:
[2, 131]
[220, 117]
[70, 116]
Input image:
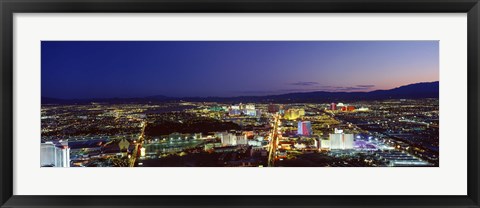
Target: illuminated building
[364, 145]
[242, 106]
[250, 107]
[304, 128]
[258, 113]
[142, 152]
[324, 144]
[242, 140]
[250, 112]
[301, 112]
[198, 136]
[333, 106]
[299, 146]
[237, 110]
[293, 114]
[348, 108]
[249, 133]
[54, 155]
[260, 138]
[336, 141]
[216, 109]
[123, 144]
[255, 143]
[363, 109]
[234, 112]
[340, 140]
[227, 138]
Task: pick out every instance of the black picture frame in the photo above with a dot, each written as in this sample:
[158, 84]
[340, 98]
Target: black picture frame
[9, 7]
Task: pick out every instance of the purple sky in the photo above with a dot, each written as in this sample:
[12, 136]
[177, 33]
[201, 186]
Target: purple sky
[103, 69]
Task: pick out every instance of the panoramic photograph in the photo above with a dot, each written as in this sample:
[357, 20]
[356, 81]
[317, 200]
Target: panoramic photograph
[239, 104]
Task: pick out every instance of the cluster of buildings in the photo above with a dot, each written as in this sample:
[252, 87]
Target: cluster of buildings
[54, 154]
[234, 139]
[338, 141]
[230, 139]
[84, 152]
[344, 108]
[243, 109]
[247, 134]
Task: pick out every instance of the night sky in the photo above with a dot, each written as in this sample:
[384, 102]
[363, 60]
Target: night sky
[106, 69]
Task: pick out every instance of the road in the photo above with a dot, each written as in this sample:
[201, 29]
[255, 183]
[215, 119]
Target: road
[273, 142]
[138, 145]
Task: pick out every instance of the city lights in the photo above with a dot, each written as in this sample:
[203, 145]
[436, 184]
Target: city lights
[405, 133]
[239, 104]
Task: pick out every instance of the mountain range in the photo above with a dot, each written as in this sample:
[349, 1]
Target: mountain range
[412, 91]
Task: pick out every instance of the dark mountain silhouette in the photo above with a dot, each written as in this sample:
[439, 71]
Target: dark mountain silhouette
[412, 91]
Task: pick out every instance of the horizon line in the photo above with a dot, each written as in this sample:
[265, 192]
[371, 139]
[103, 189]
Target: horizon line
[273, 94]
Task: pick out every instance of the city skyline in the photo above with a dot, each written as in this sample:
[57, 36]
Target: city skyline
[239, 104]
[106, 69]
